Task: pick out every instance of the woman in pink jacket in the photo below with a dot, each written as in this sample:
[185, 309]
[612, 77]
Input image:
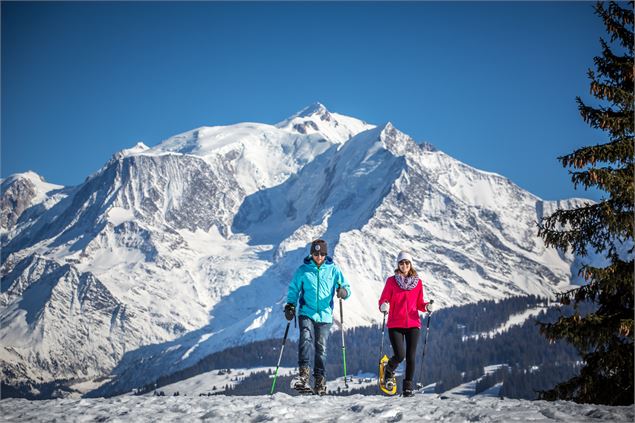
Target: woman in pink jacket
[402, 298]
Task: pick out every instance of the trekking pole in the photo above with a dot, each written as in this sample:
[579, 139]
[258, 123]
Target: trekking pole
[343, 345]
[381, 349]
[275, 376]
[383, 325]
[425, 342]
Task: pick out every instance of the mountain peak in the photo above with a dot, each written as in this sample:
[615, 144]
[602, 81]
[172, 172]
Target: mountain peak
[316, 108]
[316, 112]
[388, 127]
[139, 147]
[317, 119]
[399, 142]
[19, 192]
[29, 174]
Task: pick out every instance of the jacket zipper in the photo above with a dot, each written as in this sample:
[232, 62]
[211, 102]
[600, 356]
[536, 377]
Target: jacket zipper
[407, 308]
[317, 292]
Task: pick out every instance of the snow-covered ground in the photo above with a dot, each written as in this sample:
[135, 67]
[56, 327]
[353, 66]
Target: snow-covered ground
[282, 407]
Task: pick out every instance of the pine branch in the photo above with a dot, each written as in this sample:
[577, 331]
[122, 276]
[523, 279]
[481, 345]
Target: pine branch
[624, 15]
[574, 329]
[596, 225]
[606, 119]
[614, 94]
[615, 20]
[617, 182]
[611, 152]
[614, 68]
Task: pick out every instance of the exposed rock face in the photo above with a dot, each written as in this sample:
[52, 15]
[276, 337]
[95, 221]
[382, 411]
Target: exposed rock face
[15, 199]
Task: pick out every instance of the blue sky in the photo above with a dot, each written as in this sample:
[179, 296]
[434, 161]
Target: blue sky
[492, 84]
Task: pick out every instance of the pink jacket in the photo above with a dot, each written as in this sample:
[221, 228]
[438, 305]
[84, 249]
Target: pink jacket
[404, 305]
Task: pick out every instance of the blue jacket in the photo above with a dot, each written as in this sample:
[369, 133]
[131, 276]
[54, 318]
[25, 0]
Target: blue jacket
[313, 289]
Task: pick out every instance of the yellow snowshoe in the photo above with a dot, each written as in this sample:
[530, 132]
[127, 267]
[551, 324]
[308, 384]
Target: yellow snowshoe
[389, 386]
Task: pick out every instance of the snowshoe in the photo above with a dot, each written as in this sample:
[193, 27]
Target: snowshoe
[303, 390]
[301, 382]
[387, 382]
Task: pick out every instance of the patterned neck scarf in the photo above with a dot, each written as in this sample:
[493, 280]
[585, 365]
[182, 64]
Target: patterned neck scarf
[406, 282]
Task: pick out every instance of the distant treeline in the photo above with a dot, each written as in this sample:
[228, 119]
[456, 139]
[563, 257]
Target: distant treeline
[452, 356]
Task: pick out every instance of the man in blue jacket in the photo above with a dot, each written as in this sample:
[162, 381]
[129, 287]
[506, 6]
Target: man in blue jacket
[313, 286]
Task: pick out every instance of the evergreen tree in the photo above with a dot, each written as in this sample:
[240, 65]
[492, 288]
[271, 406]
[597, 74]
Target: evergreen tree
[604, 337]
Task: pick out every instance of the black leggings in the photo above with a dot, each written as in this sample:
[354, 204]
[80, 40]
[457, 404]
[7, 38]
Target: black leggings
[397, 336]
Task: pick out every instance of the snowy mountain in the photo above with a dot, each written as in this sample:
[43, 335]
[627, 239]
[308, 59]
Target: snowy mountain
[169, 253]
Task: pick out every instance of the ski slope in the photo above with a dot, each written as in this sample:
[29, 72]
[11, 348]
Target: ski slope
[514, 320]
[468, 389]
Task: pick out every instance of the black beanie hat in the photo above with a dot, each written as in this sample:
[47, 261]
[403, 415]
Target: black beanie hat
[319, 246]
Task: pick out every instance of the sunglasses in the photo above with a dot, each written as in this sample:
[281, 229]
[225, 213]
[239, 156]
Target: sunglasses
[318, 254]
[404, 262]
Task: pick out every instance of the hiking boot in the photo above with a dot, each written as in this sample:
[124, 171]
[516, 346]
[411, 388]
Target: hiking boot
[320, 385]
[389, 371]
[301, 382]
[389, 376]
[408, 388]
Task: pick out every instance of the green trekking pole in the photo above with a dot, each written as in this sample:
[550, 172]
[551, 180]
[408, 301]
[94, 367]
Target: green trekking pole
[343, 345]
[275, 376]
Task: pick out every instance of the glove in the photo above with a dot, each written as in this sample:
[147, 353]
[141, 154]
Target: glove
[429, 307]
[289, 311]
[384, 307]
[342, 293]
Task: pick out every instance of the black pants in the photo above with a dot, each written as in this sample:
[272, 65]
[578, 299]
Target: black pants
[397, 336]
